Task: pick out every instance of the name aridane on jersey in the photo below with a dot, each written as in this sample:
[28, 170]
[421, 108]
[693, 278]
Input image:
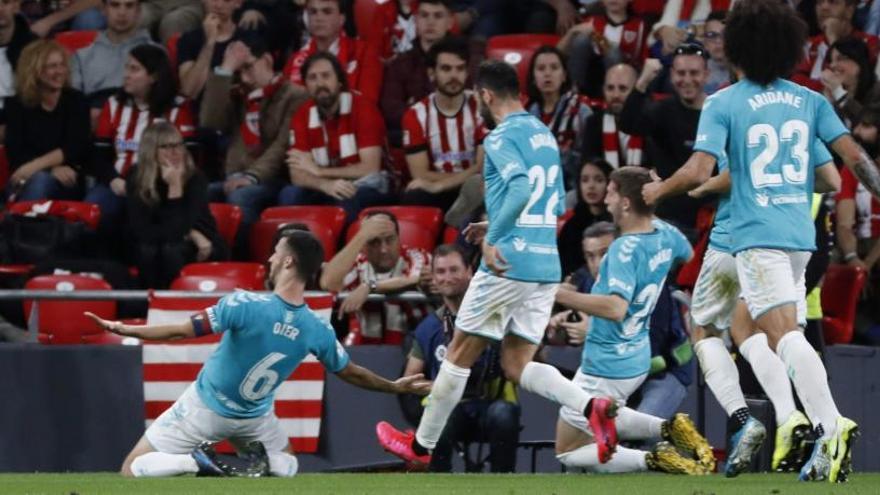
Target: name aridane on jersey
[523, 147]
[769, 133]
[635, 268]
[264, 340]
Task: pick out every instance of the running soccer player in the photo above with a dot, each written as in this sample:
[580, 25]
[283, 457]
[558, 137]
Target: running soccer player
[510, 298]
[617, 351]
[716, 308]
[265, 337]
[766, 126]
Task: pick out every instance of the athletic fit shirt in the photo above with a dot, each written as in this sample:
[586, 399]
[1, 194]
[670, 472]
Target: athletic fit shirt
[719, 237]
[264, 340]
[635, 269]
[523, 147]
[767, 132]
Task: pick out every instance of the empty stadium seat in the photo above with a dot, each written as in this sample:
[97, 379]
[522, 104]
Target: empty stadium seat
[72, 211]
[243, 275]
[419, 225]
[74, 40]
[325, 222]
[840, 295]
[204, 283]
[517, 50]
[228, 218]
[63, 322]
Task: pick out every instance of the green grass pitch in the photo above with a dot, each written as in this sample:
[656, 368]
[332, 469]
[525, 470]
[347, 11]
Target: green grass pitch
[386, 484]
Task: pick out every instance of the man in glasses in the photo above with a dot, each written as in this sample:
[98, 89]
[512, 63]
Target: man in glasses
[713, 39]
[670, 125]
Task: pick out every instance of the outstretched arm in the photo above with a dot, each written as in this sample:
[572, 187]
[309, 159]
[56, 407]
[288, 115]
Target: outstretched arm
[147, 332]
[611, 307]
[694, 172]
[718, 184]
[366, 379]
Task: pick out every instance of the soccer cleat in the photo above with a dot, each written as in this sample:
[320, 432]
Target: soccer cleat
[789, 452]
[746, 442]
[254, 461]
[601, 420]
[841, 458]
[818, 467]
[680, 430]
[664, 457]
[206, 459]
[399, 443]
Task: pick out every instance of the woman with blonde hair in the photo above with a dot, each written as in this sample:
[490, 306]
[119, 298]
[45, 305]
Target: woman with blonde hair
[47, 129]
[170, 223]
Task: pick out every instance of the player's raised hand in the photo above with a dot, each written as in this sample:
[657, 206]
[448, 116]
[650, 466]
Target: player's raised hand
[494, 259]
[475, 232]
[116, 327]
[413, 384]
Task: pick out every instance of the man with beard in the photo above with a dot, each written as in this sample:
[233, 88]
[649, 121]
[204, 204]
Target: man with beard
[265, 338]
[256, 116]
[442, 132]
[510, 298]
[602, 136]
[670, 125]
[336, 143]
[488, 411]
[375, 262]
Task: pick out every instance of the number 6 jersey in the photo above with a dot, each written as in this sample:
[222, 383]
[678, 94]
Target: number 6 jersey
[264, 340]
[634, 269]
[520, 149]
[768, 133]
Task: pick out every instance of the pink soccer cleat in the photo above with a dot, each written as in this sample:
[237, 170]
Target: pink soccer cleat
[601, 421]
[399, 443]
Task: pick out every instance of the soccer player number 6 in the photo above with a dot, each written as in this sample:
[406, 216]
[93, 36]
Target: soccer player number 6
[261, 379]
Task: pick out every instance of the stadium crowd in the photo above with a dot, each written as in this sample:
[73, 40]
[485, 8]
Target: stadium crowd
[171, 105]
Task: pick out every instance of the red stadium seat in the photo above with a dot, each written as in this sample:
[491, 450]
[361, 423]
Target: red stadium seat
[228, 218]
[326, 222]
[74, 40]
[203, 283]
[63, 322]
[243, 275]
[517, 50]
[72, 211]
[419, 225]
[840, 295]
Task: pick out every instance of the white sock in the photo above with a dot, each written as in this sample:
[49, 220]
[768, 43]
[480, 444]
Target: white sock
[282, 464]
[445, 393]
[624, 460]
[720, 373]
[548, 382]
[810, 379]
[159, 464]
[770, 371]
[634, 425]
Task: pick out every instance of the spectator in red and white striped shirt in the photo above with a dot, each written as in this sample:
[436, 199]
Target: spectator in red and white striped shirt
[375, 262]
[148, 95]
[442, 132]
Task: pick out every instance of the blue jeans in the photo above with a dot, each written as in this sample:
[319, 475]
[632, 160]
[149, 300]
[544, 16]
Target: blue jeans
[252, 200]
[662, 396]
[365, 197]
[89, 20]
[43, 185]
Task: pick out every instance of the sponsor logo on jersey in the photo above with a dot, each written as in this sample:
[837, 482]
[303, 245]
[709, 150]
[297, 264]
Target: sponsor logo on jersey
[519, 243]
[440, 353]
[762, 199]
[613, 282]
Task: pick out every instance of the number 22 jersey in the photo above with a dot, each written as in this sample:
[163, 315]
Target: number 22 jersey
[768, 133]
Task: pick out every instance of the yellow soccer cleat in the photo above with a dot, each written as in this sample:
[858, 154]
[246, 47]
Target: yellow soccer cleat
[789, 453]
[665, 458]
[680, 430]
[841, 455]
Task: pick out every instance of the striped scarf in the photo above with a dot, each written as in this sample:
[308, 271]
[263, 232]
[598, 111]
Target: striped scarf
[611, 143]
[318, 138]
[628, 38]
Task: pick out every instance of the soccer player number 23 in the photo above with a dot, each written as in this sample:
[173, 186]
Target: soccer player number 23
[796, 130]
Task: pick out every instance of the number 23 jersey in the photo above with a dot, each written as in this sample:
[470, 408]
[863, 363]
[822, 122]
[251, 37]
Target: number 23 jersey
[264, 340]
[768, 133]
[635, 269]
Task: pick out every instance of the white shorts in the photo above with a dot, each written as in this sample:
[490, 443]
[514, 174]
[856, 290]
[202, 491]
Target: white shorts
[596, 386]
[495, 306]
[716, 291]
[771, 278]
[189, 422]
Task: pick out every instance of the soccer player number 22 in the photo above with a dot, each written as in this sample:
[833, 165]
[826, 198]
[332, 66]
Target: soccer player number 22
[540, 183]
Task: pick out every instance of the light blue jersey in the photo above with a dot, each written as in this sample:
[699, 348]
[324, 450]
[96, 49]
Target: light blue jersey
[264, 340]
[635, 269]
[768, 134]
[719, 237]
[522, 169]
